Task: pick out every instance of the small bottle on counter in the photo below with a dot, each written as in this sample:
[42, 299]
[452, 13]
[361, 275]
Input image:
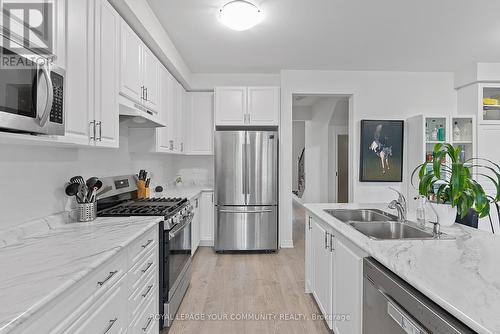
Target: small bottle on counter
[421, 220]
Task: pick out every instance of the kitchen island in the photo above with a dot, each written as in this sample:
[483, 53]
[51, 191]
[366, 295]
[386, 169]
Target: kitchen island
[460, 275]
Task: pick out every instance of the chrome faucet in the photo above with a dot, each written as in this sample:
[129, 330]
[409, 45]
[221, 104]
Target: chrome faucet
[436, 229]
[400, 205]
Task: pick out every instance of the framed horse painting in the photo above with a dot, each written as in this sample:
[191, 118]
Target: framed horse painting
[381, 151]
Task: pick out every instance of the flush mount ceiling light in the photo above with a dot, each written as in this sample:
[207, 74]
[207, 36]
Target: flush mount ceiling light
[240, 15]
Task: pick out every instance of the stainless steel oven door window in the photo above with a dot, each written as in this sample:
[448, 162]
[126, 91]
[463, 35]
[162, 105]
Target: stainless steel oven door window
[179, 252]
[26, 92]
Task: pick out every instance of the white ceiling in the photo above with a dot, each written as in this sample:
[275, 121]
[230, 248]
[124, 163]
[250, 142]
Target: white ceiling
[406, 35]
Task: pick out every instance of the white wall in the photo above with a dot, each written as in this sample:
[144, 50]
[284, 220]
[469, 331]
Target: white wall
[298, 144]
[375, 95]
[33, 178]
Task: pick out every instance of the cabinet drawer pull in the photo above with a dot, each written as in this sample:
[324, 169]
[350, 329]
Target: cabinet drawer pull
[326, 240]
[111, 274]
[147, 267]
[147, 243]
[147, 291]
[148, 323]
[110, 324]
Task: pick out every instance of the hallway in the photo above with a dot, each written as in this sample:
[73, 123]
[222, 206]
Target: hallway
[226, 288]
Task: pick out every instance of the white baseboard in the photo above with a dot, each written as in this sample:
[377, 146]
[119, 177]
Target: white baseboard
[206, 243]
[286, 243]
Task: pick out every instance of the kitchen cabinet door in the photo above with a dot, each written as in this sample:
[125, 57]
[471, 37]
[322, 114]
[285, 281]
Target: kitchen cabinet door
[309, 262]
[195, 230]
[263, 105]
[323, 263]
[79, 109]
[347, 289]
[107, 30]
[207, 219]
[230, 105]
[164, 135]
[200, 123]
[131, 64]
[178, 129]
[151, 80]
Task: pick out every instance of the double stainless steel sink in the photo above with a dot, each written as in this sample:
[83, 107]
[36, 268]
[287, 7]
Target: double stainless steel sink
[379, 225]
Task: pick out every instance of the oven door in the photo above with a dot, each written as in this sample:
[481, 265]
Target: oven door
[179, 253]
[27, 91]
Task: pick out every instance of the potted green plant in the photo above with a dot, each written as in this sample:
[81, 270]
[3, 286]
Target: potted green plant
[448, 183]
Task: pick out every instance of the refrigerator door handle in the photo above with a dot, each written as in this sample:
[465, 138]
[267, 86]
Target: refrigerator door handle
[244, 212]
[244, 171]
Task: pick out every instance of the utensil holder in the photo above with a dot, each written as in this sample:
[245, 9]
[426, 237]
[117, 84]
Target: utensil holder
[86, 212]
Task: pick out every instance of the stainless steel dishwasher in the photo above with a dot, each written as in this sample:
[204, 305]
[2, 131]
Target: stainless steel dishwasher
[390, 305]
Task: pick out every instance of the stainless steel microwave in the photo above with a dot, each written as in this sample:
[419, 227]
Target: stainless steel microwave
[31, 91]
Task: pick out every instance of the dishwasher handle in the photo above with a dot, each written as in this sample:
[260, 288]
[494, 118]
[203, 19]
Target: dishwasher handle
[398, 314]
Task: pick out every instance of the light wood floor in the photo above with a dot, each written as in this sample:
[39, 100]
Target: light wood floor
[258, 284]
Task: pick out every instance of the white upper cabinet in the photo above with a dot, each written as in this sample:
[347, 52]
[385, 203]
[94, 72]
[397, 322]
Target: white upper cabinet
[107, 48]
[91, 101]
[247, 105]
[78, 107]
[200, 123]
[139, 71]
[151, 79]
[230, 105]
[130, 64]
[263, 105]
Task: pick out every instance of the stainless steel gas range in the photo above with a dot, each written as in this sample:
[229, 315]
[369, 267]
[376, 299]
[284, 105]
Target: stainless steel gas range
[120, 199]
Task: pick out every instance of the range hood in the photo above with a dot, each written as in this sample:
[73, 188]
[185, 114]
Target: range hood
[137, 116]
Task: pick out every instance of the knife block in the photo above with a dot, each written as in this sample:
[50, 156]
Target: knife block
[142, 191]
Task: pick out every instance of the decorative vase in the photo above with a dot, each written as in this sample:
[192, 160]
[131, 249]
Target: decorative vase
[446, 213]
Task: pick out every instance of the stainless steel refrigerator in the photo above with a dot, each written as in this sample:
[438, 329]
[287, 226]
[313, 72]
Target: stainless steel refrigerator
[246, 190]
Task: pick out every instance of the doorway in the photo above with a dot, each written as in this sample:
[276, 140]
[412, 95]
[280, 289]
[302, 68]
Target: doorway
[317, 122]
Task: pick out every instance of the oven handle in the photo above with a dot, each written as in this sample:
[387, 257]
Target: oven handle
[50, 96]
[178, 228]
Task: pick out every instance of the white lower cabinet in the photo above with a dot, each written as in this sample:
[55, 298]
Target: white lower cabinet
[120, 296]
[207, 219]
[347, 288]
[107, 315]
[334, 276]
[323, 269]
[195, 225]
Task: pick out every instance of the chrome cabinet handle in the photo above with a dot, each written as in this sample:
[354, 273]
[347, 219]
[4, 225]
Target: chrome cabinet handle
[147, 291]
[146, 92]
[98, 125]
[142, 92]
[326, 239]
[331, 242]
[310, 223]
[148, 323]
[147, 243]
[147, 267]
[111, 274]
[110, 324]
[92, 130]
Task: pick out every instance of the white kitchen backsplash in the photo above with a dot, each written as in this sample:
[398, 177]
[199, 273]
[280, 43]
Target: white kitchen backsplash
[33, 177]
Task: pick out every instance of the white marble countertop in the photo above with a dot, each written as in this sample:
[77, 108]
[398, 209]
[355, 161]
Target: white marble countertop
[461, 275]
[188, 192]
[36, 268]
